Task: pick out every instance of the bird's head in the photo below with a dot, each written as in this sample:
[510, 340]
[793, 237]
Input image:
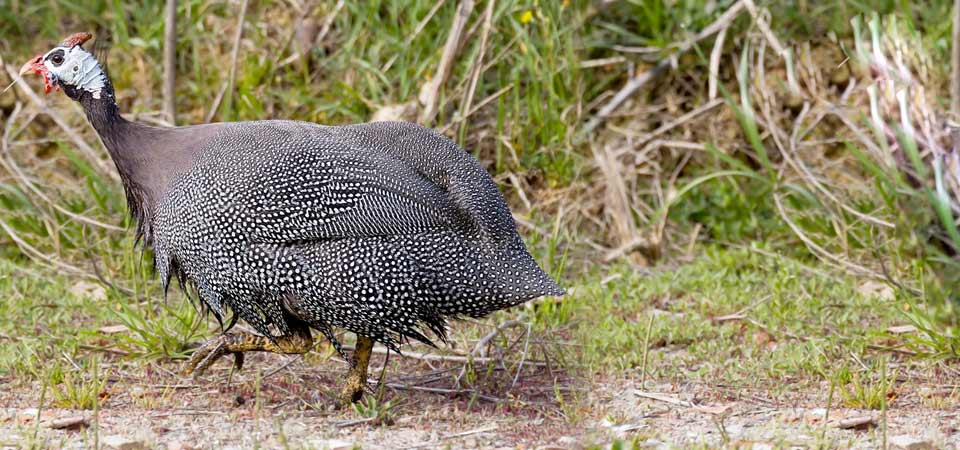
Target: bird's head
[70, 67]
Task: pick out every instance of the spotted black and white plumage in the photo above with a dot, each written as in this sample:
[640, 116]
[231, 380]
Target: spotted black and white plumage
[382, 229]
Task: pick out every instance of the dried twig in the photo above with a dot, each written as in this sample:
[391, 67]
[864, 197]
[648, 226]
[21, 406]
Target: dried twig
[642, 79]
[189, 412]
[416, 32]
[480, 349]
[955, 76]
[434, 390]
[39, 256]
[91, 154]
[523, 357]
[445, 358]
[662, 398]
[477, 68]
[355, 422]
[476, 108]
[328, 22]
[679, 121]
[170, 62]
[430, 93]
[11, 165]
[761, 23]
[474, 431]
[617, 194]
[822, 253]
[234, 54]
[715, 56]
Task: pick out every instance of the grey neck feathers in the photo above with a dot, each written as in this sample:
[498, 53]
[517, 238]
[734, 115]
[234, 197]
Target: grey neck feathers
[146, 157]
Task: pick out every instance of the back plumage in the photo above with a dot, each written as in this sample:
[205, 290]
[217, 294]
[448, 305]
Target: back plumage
[382, 229]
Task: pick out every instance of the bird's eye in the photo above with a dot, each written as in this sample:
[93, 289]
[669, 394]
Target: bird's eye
[57, 60]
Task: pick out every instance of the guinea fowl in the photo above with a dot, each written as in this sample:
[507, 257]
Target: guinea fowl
[382, 229]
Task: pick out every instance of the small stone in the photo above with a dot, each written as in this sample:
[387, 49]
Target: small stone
[877, 289]
[815, 415]
[111, 329]
[566, 440]
[840, 76]
[12, 442]
[857, 423]
[177, 445]
[902, 329]
[87, 289]
[117, 442]
[734, 429]
[404, 112]
[907, 442]
[331, 444]
[29, 415]
[306, 32]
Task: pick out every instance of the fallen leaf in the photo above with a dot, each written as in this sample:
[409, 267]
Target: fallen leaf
[941, 392]
[117, 442]
[331, 444]
[67, 423]
[876, 289]
[403, 112]
[907, 442]
[30, 414]
[177, 445]
[902, 329]
[762, 338]
[87, 289]
[815, 415]
[715, 410]
[111, 329]
[662, 397]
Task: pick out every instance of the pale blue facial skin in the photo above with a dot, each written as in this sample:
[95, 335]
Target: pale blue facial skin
[79, 69]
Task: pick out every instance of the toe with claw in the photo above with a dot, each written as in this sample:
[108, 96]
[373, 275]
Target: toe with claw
[239, 343]
[209, 353]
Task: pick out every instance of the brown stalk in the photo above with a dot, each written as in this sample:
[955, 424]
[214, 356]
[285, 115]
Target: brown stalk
[955, 75]
[430, 93]
[169, 62]
[227, 88]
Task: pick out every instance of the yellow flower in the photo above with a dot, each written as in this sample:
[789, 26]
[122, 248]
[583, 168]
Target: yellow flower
[526, 17]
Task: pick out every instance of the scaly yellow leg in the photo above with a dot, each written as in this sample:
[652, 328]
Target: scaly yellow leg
[238, 343]
[357, 376]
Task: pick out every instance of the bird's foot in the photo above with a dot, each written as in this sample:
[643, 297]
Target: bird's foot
[357, 376]
[239, 343]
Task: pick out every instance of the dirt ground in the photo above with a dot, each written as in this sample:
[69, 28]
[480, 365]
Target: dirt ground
[155, 407]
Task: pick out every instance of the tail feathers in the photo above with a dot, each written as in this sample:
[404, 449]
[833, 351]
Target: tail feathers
[550, 287]
[536, 282]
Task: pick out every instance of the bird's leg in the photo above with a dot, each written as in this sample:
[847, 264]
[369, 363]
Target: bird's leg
[238, 343]
[357, 376]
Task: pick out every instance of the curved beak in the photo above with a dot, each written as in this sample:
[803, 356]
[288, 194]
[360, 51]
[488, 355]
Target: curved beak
[36, 66]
